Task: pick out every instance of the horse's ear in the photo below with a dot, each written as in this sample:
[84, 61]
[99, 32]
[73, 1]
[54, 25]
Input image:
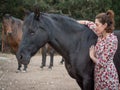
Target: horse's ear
[26, 12]
[36, 10]
[7, 16]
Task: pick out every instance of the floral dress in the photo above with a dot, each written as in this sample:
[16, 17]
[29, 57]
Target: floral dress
[105, 73]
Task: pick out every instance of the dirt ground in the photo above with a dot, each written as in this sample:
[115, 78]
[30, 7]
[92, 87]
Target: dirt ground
[35, 78]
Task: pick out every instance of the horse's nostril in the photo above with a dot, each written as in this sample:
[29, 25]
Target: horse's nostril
[9, 33]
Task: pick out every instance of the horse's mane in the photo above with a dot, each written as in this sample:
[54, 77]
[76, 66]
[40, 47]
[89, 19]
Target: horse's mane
[18, 22]
[62, 18]
[65, 21]
[14, 21]
[17, 19]
[55, 17]
[61, 21]
[7, 16]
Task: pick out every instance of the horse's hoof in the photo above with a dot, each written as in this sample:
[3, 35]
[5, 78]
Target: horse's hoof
[24, 71]
[42, 66]
[61, 63]
[50, 67]
[18, 71]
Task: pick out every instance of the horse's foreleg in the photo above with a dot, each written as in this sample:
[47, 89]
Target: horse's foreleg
[51, 58]
[80, 83]
[88, 84]
[19, 66]
[3, 46]
[25, 68]
[61, 62]
[85, 84]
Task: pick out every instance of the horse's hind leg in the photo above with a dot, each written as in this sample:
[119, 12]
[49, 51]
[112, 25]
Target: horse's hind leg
[44, 54]
[43, 61]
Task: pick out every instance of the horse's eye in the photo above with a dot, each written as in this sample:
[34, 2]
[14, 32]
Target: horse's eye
[31, 32]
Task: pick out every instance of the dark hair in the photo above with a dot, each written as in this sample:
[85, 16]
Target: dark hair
[108, 18]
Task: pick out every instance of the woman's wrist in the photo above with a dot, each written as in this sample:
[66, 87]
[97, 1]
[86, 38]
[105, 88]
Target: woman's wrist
[94, 59]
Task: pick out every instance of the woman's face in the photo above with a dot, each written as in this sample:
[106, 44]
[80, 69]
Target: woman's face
[100, 28]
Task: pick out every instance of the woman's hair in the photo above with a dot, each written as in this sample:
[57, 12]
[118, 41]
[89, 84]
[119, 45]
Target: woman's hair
[108, 18]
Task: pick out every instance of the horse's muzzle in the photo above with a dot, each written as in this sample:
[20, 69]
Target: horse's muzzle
[23, 59]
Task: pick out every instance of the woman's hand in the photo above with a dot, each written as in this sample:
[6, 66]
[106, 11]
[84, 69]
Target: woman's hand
[85, 22]
[92, 54]
[92, 51]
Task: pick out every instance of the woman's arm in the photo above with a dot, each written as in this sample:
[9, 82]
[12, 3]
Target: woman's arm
[90, 24]
[82, 22]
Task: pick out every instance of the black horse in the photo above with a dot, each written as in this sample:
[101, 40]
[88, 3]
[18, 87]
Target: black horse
[69, 38]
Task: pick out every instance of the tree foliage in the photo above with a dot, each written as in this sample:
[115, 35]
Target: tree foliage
[78, 9]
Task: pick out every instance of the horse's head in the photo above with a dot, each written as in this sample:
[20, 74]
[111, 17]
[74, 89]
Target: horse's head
[35, 35]
[7, 21]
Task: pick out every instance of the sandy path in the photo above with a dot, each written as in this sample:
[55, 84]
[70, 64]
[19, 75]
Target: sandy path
[35, 78]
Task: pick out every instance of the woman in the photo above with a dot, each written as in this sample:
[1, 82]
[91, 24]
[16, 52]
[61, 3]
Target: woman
[105, 73]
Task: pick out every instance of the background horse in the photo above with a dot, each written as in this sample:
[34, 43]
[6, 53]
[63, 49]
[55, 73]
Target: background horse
[48, 50]
[12, 34]
[69, 38]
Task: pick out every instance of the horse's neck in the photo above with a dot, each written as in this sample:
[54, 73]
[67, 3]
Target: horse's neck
[65, 33]
[65, 42]
[17, 29]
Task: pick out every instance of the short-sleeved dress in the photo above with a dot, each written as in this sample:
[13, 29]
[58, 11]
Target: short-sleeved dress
[105, 73]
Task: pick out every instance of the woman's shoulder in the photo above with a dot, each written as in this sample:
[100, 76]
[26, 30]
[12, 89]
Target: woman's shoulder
[112, 38]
